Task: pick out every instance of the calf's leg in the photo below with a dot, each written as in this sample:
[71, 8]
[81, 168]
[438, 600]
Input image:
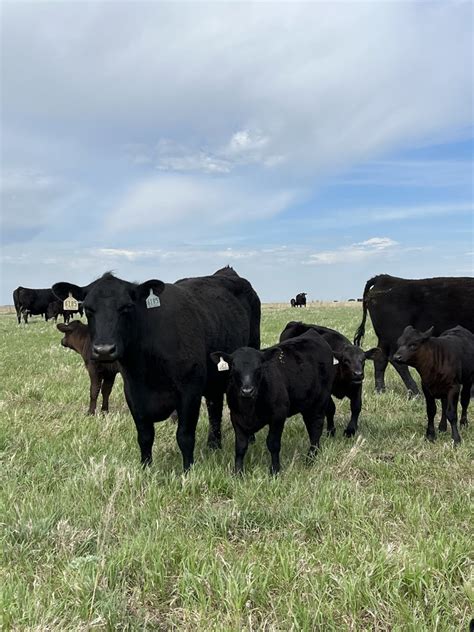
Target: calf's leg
[356, 406]
[430, 412]
[274, 444]
[443, 426]
[452, 412]
[465, 397]
[314, 423]
[107, 385]
[94, 391]
[241, 444]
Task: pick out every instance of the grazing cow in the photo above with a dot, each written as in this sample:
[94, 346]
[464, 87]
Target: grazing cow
[161, 334]
[349, 371]
[56, 308]
[394, 303]
[34, 302]
[268, 386]
[293, 302]
[445, 364]
[101, 374]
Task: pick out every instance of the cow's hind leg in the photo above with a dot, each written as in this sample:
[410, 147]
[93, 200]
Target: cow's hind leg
[188, 415]
[404, 373]
[214, 411]
[380, 364]
[465, 397]
[430, 412]
[443, 422]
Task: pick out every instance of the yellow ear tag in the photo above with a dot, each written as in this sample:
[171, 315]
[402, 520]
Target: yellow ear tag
[70, 303]
[222, 365]
[152, 300]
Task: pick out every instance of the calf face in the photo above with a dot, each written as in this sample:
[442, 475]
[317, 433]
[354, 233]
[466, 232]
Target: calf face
[410, 342]
[352, 362]
[246, 367]
[75, 333]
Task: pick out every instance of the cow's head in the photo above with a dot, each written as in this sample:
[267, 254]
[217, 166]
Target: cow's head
[352, 362]
[110, 305]
[410, 343]
[246, 369]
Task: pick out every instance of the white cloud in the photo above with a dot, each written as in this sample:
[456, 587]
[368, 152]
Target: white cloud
[355, 253]
[171, 199]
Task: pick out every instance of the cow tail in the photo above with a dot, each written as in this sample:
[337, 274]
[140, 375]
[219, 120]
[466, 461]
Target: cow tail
[359, 334]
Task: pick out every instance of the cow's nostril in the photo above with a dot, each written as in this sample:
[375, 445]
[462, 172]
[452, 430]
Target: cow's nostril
[247, 390]
[104, 350]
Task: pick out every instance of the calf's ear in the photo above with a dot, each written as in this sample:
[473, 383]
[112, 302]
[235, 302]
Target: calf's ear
[428, 333]
[62, 291]
[372, 353]
[143, 290]
[63, 328]
[272, 354]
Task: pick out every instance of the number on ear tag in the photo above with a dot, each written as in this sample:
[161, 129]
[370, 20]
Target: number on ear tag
[222, 365]
[70, 303]
[152, 300]
[335, 361]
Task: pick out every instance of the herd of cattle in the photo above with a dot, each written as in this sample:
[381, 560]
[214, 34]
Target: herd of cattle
[174, 343]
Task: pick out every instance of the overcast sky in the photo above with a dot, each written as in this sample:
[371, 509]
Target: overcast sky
[309, 145]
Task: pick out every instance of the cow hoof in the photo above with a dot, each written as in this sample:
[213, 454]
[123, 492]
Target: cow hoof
[252, 438]
[349, 432]
[413, 394]
[442, 428]
[331, 432]
[464, 422]
[431, 437]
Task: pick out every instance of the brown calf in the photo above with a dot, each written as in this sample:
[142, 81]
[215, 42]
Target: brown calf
[102, 375]
[445, 364]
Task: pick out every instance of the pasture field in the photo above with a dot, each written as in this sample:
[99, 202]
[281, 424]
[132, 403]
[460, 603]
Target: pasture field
[376, 534]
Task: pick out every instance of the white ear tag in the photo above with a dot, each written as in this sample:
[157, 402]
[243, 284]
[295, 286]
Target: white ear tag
[152, 300]
[70, 303]
[335, 361]
[222, 365]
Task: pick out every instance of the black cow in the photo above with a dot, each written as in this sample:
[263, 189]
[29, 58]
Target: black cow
[299, 300]
[161, 334]
[56, 309]
[268, 386]
[394, 303]
[101, 374]
[32, 302]
[349, 371]
[445, 364]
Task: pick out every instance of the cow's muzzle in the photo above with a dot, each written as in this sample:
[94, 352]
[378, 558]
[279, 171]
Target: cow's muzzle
[104, 353]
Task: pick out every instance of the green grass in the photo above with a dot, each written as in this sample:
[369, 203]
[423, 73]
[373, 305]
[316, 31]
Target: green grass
[375, 535]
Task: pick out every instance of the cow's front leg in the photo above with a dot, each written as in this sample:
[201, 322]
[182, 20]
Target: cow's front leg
[430, 412]
[274, 444]
[188, 415]
[94, 391]
[241, 444]
[214, 411]
[465, 397]
[330, 412]
[356, 406]
[443, 426]
[145, 437]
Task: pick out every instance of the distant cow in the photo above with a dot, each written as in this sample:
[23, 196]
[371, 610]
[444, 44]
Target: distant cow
[299, 301]
[349, 371]
[161, 334]
[56, 309]
[394, 303]
[445, 364]
[101, 374]
[268, 386]
[30, 301]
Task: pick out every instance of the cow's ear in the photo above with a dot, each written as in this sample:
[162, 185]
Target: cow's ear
[144, 289]
[62, 291]
[338, 355]
[372, 353]
[216, 357]
[63, 328]
[428, 333]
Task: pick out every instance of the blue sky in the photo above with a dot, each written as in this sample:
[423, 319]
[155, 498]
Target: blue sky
[309, 145]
